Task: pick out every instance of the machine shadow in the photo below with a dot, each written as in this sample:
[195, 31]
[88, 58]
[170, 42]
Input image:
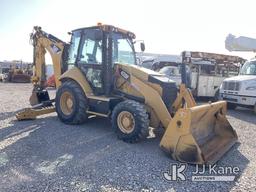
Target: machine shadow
[243, 114]
[49, 151]
[46, 147]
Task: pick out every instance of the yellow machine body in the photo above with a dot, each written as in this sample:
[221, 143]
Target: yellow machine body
[194, 134]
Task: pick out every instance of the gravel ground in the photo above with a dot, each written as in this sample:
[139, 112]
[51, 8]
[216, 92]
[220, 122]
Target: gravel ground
[47, 155]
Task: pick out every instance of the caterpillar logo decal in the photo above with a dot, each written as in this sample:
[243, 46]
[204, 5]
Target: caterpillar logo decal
[125, 75]
[55, 49]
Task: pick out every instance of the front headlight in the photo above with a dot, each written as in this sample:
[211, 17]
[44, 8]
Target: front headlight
[251, 88]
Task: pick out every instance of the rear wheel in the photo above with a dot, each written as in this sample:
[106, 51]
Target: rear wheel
[231, 105]
[130, 121]
[71, 103]
[254, 109]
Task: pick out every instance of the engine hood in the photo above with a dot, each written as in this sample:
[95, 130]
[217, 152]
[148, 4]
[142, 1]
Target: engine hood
[166, 87]
[241, 78]
[144, 73]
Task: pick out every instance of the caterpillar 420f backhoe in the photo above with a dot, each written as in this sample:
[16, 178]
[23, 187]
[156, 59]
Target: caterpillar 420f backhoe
[102, 79]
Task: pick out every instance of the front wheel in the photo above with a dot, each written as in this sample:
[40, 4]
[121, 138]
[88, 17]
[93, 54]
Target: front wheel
[71, 103]
[130, 121]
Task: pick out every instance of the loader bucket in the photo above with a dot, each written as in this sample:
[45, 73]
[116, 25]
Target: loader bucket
[199, 135]
[21, 78]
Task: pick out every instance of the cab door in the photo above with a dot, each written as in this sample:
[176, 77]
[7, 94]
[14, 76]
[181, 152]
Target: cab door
[90, 59]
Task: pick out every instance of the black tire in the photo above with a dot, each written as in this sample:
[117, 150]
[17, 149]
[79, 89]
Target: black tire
[78, 114]
[141, 119]
[231, 106]
[254, 109]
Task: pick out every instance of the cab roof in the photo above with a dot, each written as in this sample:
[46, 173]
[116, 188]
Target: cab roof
[109, 28]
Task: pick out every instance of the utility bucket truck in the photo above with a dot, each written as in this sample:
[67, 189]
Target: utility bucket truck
[241, 90]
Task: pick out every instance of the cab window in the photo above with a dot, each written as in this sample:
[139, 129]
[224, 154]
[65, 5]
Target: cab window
[123, 51]
[92, 47]
[73, 49]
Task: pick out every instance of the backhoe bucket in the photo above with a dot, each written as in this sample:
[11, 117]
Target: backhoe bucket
[38, 97]
[199, 135]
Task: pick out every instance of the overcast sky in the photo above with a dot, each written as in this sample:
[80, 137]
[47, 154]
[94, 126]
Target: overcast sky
[166, 26]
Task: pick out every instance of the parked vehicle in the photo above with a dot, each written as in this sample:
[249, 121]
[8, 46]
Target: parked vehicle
[208, 70]
[4, 74]
[241, 90]
[205, 71]
[174, 73]
[15, 71]
[157, 62]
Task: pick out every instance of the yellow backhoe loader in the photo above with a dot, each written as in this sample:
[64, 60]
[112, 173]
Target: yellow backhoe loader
[17, 72]
[102, 79]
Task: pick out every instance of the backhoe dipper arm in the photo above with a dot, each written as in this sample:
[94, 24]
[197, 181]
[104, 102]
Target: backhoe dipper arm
[40, 99]
[43, 41]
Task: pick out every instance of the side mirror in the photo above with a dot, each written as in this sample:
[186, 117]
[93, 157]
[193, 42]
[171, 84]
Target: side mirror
[142, 46]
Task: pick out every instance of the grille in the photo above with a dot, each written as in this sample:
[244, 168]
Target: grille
[232, 85]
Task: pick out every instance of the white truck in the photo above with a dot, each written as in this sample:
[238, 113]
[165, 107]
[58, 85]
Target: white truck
[205, 71]
[208, 70]
[241, 90]
[4, 71]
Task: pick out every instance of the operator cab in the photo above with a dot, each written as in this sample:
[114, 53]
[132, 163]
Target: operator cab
[249, 68]
[94, 50]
